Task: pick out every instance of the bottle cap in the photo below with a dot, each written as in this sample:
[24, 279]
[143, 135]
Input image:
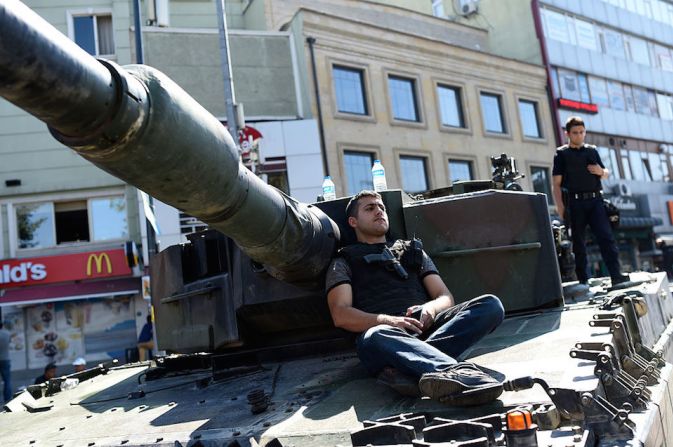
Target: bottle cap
[377, 161]
[327, 177]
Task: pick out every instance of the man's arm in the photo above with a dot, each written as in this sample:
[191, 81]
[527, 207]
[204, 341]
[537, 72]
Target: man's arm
[603, 173]
[441, 299]
[558, 195]
[345, 316]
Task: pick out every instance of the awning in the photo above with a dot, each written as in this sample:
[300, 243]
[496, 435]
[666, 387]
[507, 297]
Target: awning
[69, 291]
[639, 222]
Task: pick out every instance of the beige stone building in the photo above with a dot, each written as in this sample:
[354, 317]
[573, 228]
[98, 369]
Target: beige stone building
[421, 94]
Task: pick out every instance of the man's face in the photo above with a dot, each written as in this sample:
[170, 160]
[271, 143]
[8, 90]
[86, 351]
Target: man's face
[50, 373]
[372, 219]
[576, 135]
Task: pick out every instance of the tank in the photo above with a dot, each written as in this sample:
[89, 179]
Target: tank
[253, 358]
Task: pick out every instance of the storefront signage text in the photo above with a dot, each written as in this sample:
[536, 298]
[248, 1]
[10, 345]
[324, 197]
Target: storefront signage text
[577, 105]
[72, 267]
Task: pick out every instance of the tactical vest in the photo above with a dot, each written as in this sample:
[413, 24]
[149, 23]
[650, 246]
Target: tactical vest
[377, 286]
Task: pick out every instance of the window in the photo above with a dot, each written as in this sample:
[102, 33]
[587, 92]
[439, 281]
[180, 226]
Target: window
[639, 166]
[358, 167]
[586, 34]
[665, 103]
[94, 33]
[583, 85]
[663, 57]
[574, 85]
[414, 176]
[652, 102]
[72, 221]
[641, 100]
[349, 89]
[450, 106]
[656, 167]
[44, 225]
[599, 91]
[35, 225]
[108, 216]
[626, 167]
[530, 123]
[438, 8]
[491, 110]
[638, 51]
[628, 98]
[613, 43]
[616, 94]
[460, 170]
[540, 178]
[609, 159]
[403, 98]
[556, 27]
[569, 85]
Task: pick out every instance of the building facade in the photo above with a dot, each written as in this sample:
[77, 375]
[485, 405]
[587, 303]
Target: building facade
[610, 62]
[330, 86]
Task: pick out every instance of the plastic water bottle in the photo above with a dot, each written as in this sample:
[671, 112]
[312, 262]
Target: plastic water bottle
[379, 176]
[328, 189]
[69, 384]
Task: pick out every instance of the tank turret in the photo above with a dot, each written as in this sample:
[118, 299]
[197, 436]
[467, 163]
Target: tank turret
[138, 125]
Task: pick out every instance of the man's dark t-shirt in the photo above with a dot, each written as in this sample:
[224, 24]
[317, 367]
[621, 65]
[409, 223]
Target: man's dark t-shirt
[572, 165]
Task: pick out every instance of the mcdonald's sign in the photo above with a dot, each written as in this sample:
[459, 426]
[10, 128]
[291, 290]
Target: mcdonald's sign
[97, 260]
[71, 267]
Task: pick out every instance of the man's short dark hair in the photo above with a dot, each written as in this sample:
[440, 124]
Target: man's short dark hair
[574, 121]
[49, 366]
[352, 207]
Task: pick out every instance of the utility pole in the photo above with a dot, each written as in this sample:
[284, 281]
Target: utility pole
[229, 96]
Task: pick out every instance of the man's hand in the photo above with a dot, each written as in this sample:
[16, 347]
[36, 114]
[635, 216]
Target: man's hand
[427, 316]
[596, 170]
[408, 324]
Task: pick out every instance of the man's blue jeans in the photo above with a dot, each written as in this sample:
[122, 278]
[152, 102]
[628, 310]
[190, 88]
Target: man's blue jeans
[454, 330]
[6, 373]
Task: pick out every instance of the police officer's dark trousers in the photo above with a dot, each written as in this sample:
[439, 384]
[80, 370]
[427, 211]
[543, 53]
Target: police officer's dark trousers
[592, 212]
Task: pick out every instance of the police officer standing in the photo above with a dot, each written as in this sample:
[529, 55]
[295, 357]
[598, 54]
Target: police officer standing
[578, 170]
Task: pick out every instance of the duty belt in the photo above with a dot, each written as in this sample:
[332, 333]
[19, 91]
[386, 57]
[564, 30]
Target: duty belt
[586, 195]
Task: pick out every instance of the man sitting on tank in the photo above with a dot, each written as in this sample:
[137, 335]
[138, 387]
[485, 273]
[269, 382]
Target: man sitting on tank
[410, 332]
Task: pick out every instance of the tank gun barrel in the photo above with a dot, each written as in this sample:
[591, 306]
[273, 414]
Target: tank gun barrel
[138, 125]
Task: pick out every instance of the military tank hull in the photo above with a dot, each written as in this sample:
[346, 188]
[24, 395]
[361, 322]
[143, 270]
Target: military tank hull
[593, 371]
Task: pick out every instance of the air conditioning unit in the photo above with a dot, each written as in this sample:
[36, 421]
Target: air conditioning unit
[465, 7]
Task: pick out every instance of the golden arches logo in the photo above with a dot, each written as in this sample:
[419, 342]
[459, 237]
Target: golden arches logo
[98, 260]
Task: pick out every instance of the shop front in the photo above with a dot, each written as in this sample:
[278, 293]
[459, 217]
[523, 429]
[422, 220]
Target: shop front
[59, 308]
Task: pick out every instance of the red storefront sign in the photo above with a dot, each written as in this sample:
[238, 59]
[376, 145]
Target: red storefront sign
[72, 267]
[578, 105]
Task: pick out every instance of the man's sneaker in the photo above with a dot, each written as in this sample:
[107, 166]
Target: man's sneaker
[400, 382]
[462, 384]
